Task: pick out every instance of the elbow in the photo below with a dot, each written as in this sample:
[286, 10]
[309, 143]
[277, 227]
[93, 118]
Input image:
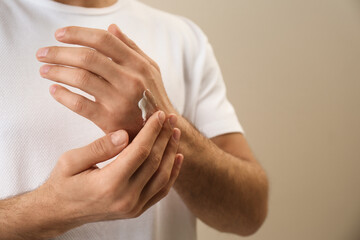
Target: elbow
[254, 216]
[251, 225]
[247, 226]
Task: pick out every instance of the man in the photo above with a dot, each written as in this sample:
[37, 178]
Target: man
[220, 181]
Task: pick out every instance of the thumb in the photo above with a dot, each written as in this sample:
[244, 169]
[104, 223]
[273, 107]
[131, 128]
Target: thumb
[107, 147]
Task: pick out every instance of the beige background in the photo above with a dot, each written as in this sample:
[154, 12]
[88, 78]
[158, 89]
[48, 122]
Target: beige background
[292, 68]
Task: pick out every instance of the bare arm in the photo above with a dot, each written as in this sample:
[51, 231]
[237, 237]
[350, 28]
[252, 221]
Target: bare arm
[221, 181]
[31, 216]
[140, 176]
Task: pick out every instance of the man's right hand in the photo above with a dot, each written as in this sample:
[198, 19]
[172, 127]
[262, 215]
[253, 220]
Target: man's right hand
[78, 192]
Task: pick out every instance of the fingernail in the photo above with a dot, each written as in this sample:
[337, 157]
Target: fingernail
[176, 134]
[42, 52]
[44, 69]
[52, 89]
[119, 138]
[161, 117]
[172, 120]
[60, 32]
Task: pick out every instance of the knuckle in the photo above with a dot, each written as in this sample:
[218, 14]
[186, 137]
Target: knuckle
[54, 71]
[135, 212]
[131, 44]
[143, 152]
[79, 104]
[82, 79]
[126, 206]
[64, 162]
[155, 162]
[163, 179]
[155, 65]
[164, 192]
[143, 65]
[88, 57]
[98, 148]
[104, 38]
[53, 52]
[135, 83]
[123, 207]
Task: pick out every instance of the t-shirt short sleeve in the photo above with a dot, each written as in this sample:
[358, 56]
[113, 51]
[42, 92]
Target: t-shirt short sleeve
[213, 114]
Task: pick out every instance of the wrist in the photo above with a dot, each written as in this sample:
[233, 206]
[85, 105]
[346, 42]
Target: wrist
[48, 221]
[50, 218]
[27, 216]
[188, 136]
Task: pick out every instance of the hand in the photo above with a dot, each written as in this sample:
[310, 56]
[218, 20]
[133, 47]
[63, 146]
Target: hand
[140, 176]
[112, 68]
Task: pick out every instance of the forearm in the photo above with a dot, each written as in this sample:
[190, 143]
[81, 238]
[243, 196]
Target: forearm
[228, 193]
[30, 216]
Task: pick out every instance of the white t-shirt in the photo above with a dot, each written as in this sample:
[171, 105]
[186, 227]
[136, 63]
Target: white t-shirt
[35, 130]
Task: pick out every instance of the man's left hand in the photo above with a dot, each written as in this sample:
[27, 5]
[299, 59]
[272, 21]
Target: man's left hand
[111, 68]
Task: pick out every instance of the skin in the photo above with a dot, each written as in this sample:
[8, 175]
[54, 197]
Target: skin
[141, 175]
[224, 164]
[221, 181]
[88, 3]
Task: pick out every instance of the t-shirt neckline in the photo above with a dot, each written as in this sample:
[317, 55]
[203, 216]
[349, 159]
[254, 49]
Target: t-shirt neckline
[80, 10]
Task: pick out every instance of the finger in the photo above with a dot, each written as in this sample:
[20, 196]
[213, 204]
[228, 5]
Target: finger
[76, 77]
[101, 40]
[156, 156]
[115, 30]
[165, 190]
[152, 106]
[75, 102]
[139, 149]
[162, 154]
[162, 175]
[81, 159]
[81, 57]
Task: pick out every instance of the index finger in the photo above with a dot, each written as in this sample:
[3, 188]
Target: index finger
[101, 40]
[137, 152]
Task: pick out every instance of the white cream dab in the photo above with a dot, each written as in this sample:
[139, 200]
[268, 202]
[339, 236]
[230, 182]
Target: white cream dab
[147, 105]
